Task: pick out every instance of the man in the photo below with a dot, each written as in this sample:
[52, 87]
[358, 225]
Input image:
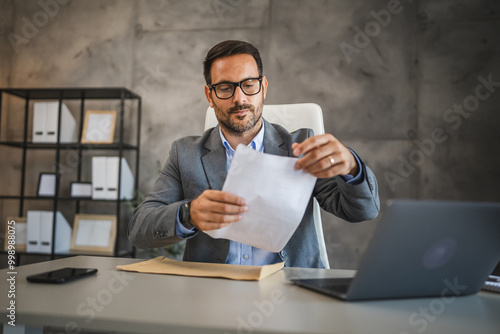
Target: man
[187, 200]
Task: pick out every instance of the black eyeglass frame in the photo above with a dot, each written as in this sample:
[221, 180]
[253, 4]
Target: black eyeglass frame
[236, 84]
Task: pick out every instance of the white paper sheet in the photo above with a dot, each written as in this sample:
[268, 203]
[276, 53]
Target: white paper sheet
[277, 196]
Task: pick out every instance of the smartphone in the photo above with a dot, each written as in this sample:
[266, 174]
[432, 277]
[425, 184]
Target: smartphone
[62, 275]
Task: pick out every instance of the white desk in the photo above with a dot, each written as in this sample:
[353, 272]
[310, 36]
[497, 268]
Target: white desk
[126, 302]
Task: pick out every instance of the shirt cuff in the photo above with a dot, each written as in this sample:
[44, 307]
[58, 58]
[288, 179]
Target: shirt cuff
[353, 179]
[182, 231]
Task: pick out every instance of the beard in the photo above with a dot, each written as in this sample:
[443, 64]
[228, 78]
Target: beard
[238, 125]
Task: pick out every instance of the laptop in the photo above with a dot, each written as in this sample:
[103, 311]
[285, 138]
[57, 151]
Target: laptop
[423, 249]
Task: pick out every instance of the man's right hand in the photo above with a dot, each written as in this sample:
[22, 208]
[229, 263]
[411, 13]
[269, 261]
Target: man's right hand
[215, 209]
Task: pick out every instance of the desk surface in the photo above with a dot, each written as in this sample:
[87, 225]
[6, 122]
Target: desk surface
[127, 302]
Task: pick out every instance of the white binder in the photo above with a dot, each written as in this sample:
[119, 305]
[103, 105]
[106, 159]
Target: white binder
[112, 177]
[52, 113]
[99, 178]
[63, 233]
[39, 116]
[33, 231]
[40, 227]
[105, 178]
[46, 218]
[45, 115]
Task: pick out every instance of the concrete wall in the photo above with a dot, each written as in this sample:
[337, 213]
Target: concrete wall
[404, 93]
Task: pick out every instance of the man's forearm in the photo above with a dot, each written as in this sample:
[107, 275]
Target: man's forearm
[153, 225]
[351, 202]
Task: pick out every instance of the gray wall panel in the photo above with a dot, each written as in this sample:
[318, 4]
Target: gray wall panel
[385, 81]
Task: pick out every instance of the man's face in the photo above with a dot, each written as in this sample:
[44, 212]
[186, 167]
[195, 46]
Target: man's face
[240, 113]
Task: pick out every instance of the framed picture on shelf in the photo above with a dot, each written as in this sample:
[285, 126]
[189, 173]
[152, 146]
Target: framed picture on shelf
[94, 234]
[99, 126]
[81, 189]
[47, 185]
[16, 226]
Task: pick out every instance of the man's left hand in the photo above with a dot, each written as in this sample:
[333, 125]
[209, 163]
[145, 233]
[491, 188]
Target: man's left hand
[325, 156]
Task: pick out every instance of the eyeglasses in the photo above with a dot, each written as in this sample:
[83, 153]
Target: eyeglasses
[225, 90]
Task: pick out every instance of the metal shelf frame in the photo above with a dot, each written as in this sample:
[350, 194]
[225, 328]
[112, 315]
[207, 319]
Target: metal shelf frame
[82, 94]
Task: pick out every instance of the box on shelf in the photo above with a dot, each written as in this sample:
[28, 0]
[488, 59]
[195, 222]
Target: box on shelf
[105, 178]
[45, 116]
[39, 232]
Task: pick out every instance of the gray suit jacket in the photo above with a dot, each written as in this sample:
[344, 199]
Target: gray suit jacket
[198, 163]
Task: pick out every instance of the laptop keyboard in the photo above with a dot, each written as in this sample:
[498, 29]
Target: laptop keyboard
[492, 284]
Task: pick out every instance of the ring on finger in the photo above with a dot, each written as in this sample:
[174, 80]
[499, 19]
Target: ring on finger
[332, 161]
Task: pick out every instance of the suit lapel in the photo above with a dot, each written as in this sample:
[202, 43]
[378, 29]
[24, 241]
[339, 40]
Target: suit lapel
[214, 161]
[273, 142]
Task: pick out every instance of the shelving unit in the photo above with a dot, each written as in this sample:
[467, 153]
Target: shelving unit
[118, 148]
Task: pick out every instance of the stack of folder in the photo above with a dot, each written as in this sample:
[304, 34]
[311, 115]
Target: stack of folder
[45, 115]
[39, 232]
[105, 178]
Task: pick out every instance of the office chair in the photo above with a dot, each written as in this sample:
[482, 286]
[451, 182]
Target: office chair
[293, 117]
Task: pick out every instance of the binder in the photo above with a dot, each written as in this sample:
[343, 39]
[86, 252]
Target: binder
[99, 178]
[45, 116]
[39, 116]
[33, 231]
[51, 115]
[40, 227]
[112, 177]
[127, 181]
[105, 178]
[62, 236]
[45, 230]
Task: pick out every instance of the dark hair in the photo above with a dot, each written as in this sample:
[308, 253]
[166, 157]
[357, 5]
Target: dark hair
[226, 49]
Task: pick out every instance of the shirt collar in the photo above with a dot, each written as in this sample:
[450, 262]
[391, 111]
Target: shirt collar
[257, 142]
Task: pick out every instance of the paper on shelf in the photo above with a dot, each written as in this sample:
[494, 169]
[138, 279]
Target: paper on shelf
[164, 265]
[277, 196]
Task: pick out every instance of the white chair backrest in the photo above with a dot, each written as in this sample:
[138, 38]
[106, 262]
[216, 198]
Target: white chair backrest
[293, 117]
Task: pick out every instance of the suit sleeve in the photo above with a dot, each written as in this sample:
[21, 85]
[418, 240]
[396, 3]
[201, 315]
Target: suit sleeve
[354, 202]
[153, 221]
